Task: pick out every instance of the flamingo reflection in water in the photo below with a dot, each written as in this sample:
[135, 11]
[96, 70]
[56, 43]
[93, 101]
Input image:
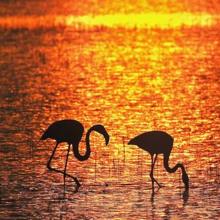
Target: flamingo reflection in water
[71, 132]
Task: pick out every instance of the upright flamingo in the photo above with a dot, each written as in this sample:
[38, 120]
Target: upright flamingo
[71, 131]
[159, 142]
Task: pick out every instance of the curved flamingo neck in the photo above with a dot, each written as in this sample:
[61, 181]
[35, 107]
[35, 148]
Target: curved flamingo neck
[88, 149]
[185, 177]
[166, 164]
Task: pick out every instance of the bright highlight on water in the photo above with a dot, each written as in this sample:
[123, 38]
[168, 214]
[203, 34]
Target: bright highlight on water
[143, 20]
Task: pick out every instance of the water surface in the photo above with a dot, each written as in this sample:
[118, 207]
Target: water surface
[129, 79]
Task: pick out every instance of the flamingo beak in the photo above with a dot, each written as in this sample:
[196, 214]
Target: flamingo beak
[106, 136]
[107, 139]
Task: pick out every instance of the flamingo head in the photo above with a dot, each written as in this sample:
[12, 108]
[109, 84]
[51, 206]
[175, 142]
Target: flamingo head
[101, 129]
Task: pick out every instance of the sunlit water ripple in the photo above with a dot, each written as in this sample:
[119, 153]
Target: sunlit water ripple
[129, 79]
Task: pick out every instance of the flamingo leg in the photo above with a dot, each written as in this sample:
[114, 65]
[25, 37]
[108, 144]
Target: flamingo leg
[64, 176]
[153, 161]
[153, 177]
[151, 172]
[51, 157]
[59, 171]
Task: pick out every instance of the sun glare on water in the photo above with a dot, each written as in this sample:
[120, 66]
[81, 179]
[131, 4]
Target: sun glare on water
[142, 20]
[145, 20]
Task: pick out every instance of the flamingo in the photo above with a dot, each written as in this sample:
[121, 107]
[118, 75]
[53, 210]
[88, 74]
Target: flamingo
[71, 131]
[159, 142]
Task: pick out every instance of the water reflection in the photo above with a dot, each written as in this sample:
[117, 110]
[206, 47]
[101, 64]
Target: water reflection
[167, 212]
[150, 79]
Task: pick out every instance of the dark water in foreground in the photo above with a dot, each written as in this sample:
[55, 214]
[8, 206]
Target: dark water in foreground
[129, 80]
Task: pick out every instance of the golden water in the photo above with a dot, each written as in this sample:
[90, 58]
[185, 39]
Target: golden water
[129, 79]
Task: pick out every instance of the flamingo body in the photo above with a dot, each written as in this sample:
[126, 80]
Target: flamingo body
[154, 142]
[71, 132]
[159, 142]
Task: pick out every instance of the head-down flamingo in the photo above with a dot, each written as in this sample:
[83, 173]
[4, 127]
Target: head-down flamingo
[159, 142]
[71, 131]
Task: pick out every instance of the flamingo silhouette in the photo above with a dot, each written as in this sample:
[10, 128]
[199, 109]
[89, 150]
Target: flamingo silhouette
[159, 142]
[71, 131]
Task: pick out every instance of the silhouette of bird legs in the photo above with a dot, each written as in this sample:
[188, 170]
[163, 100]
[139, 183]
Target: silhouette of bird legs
[63, 172]
[153, 161]
[153, 193]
